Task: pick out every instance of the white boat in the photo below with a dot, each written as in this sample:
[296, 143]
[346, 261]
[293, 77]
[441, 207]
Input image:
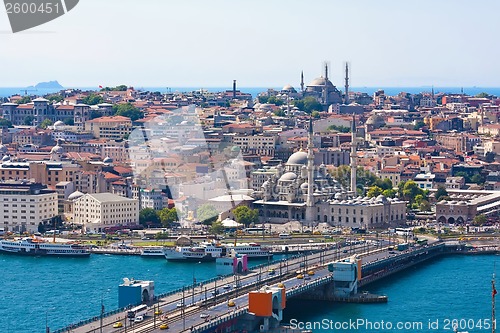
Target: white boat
[252, 250]
[153, 251]
[39, 247]
[203, 252]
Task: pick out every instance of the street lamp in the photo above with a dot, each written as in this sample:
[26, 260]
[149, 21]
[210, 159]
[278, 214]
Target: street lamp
[194, 282]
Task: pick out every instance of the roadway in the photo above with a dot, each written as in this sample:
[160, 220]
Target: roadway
[211, 298]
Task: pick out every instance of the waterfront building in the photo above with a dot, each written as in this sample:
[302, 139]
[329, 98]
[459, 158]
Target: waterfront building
[99, 210]
[26, 205]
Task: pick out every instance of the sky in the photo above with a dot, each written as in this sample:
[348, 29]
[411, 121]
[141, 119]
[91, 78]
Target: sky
[260, 43]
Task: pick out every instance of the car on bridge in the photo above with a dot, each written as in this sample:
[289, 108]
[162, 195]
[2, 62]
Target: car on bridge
[204, 315]
[164, 326]
[117, 324]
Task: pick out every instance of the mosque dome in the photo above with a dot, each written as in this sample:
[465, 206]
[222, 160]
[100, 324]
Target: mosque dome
[298, 158]
[288, 176]
[289, 88]
[375, 120]
[304, 186]
[75, 195]
[6, 158]
[108, 160]
[320, 82]
[59, 123]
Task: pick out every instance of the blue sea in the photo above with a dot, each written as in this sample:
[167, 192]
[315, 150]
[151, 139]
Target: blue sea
[62, 291]
[391, 91]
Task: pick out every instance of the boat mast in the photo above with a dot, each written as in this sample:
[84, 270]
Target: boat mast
[493, 293]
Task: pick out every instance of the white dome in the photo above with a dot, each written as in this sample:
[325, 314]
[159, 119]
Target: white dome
[289, 176]
[75, 195]
[6, 158]
[59, 123]
[298, 158]
[56, 150]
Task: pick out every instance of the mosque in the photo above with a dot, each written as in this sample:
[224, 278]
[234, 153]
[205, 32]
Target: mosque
[301, 191]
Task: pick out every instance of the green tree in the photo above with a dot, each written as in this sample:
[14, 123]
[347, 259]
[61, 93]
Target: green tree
[440, 192]
[279, 113]
[274, 100]
[384, 184]
[341, 129]
[92, 99]
[425, 206]
[207, 214]
[479, 220]
[168, 216]
[477, 179]
[95, 114]
[5, 123]
[308, 104]
[419, 125]
[263, 99]
[463, 174]
[24, 100]
[411, 190]
[315, 114]
[390, 193]
[46, 123]
[216, 228]
[483, 95]
[127, 110]
[28, 120]
[148, 216]
[55, 98]
[69, 121]
[245, 215]
[374, 191]
[41, 228]
[121, 87]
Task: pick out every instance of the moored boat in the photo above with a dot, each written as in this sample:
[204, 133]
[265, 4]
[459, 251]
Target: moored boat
[202, 252]
[153, 252]
[252, 250]
[39, 247]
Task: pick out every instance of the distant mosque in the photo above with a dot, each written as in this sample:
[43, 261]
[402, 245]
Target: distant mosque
[320, 88]
[303, 192]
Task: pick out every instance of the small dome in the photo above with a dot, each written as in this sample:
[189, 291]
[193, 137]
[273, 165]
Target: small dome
[320, 81]
[288, 176]
[108, 160]
[75, 195]
[59, 123]
[298, 158]
[304, 186]
[6, 158]
[375, 120]
[289, 88]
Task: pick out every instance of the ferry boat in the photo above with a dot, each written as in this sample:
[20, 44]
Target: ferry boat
[203, 252]
[153, 252]
[252, 250]
[40, 247]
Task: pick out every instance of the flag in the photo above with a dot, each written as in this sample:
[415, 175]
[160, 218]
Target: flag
[494, 292]
[100, 86]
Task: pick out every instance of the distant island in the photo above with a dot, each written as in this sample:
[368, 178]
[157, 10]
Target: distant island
[47, 85]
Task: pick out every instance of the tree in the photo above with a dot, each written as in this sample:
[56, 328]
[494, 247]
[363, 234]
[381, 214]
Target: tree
[127, 110]
[69, 121]
[263, 99]
[341, 129]
[46, 123]
[425, 206]
[55, 98]
[216, 228]
[121, 87]
[5, 123]
[418, 125]
[245, 215]
[92, 99]
[168, 216]
[308, 104]
[207, 214]
[279, 113]
[483, 95]
[95, 114]
[24, 100]
[384, 184]
[409, 190]
[374, 191]
[315, 114]
[477, 179]
[28, 120]
[479, 220]
[274, 100]
[440, 192]
[41, 228]
[148, 216]
[390, 193]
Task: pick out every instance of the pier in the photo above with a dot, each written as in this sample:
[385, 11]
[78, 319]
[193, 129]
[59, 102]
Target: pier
[222, 303]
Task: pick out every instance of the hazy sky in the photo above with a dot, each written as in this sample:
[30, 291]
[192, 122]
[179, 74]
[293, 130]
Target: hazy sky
[203, 43]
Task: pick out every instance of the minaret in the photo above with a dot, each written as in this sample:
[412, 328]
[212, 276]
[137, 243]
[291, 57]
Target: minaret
[325, 87]
[326, 70]
[353, 156]
[302, 81]
[346, 101]
[310, 175]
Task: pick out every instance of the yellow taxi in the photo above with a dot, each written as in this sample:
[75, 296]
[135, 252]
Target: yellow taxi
[163, 326]
[300, 276]
[231, 303]
[158, 312]
[117, 324]
[310, 273]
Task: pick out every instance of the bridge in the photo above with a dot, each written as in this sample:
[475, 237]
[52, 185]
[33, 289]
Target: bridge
[223, 302]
